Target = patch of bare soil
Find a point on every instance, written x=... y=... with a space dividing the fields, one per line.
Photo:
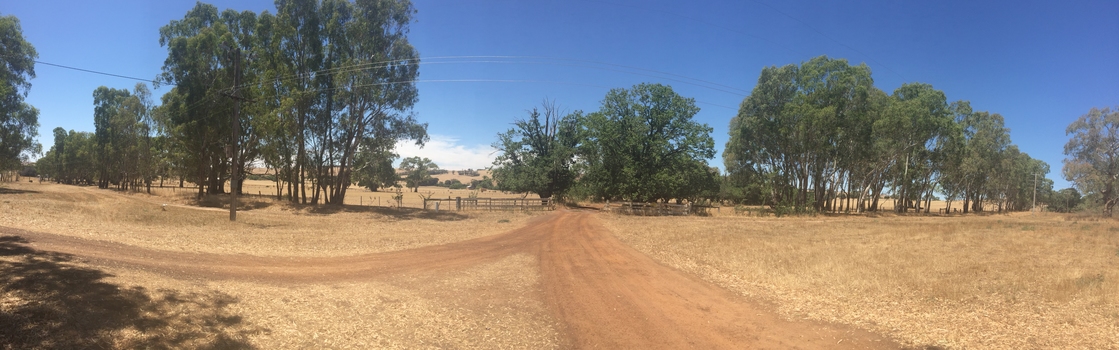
x=601 y=292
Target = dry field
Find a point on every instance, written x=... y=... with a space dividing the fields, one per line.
x=263 y=190
x=560 y=280
x=981 y=282
x=269 y=228
x=107 y=305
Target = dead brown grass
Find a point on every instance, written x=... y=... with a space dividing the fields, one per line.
x=992 y=282
x=51 y=300
x=271 y=229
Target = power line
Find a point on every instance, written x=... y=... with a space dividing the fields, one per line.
x=371 y=65
x=94 y=72
x=774 y=42
x=514 y=60
x=821 y=33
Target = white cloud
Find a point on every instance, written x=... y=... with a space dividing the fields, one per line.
x=447 y=153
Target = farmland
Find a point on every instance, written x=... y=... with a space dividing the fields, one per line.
x=285 y=276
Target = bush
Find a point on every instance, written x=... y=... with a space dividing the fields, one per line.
x=269 y=177
x=29 y=171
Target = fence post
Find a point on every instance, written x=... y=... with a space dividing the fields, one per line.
x=458 y=203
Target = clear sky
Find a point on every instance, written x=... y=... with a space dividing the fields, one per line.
x=1041 y=64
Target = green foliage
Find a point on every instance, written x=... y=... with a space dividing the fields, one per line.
x=373 y=167
x=329 y=90
x=1064 y=201
x=642 y=145
x=19 y=121
x=486 y=182
x=418 y=170
x=1092 y=164
x=71 y=159
x=803 y=127
x=123 y=123
x=820 y=136
x=538 y=156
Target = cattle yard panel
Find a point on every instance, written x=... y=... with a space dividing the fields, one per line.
x=656 y=209
x=490 y=204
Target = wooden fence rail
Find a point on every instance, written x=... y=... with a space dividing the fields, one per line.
x=503 y=204
x=657 y=209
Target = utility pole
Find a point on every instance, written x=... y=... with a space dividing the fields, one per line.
x=1034 y=208
x=234 y=185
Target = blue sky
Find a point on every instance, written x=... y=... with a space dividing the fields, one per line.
x=1039 y=64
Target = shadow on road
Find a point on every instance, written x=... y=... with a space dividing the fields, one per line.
x=47 y=301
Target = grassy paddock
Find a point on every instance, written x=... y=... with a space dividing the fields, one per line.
x=267 y=228
x=995 y=281
x=265 y=191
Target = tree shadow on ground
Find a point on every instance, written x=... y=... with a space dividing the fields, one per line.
x=49 y=302
x=390 y=212
x=243 y=202
x=14 y=191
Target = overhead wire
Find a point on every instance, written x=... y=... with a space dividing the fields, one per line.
x=513 y=60
x=94 y=72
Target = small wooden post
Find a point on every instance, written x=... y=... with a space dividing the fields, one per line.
x=458 y=203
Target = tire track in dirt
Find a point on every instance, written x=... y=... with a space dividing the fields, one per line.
x=606 y=294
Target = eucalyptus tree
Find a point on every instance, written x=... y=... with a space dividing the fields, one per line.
x=986 y=139
x=71 y=159
x=809 y=134
x=106 y=107
x=1065 y=200
x=418 y=170
x=371 y=85
x=299 y=59
x=537 y=155
x=908 y=135
x=642 y=145
x=198 y=113
x=373 y=167
x=19 y=121
x=803 y=129
x=1092 y=162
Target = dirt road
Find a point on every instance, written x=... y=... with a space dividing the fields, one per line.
x=606 y=294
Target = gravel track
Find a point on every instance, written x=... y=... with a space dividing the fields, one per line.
x=604 y=293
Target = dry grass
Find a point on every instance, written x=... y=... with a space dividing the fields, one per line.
x=271 y=229
x=398 y=314
x=357 y=196
x=52 y=301
x=999 y=281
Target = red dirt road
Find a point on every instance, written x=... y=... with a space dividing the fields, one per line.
x=606 y=294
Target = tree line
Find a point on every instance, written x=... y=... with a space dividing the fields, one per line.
x=19 y=121
x=322 y=91
x=811 y=137
x=819 y=136
x=641 y=145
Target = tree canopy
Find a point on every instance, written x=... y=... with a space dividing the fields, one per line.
x=538 y=156
x=1092 y=164
x=19 y=121
x=642 y=145
x=819 y=136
